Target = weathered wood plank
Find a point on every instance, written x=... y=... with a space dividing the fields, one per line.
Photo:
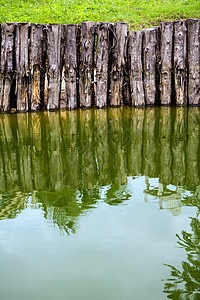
x=166 y=63
x=135 y=68
x=104 y=44
x=180 y=62
x=71 y=65
x=22 y=66
x=53 y=65
x=150 y=64
x=86 y=72
x=62 y=71
x=6 y=64
x=36 y=65
x=193 y=62
x=118 y=64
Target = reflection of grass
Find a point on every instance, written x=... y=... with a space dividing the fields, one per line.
x=137 y=13
x=185 y=284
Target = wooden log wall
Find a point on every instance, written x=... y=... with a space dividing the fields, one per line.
x=68 y=66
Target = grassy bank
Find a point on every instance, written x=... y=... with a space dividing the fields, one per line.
x=137 y=13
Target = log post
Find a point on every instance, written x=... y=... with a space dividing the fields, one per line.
x=86 y=72
x=22 y=66
x=104 y=43
x=71 y=65
x=53 y=65
x=180 y=62
x=35 y=65
x=62 y=71
x=6 y=64
x=135 y=68
x=150 y=66
x=166 y=63
x=193 y=62
x=118 y=64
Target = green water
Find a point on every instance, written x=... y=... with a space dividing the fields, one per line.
x=100 y=204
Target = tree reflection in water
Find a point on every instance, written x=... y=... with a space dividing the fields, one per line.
x=185 y=284
x=67 y=162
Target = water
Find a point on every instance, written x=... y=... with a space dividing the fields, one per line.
x=96 y=204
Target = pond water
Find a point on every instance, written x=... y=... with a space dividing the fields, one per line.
x=100 y=204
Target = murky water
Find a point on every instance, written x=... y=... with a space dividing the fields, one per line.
x=100 y=204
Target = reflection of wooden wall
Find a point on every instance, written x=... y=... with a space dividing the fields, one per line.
x=68 y=66
x=84 y=149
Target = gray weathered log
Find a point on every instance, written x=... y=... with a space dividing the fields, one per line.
x=71 y=65
x=118 y=64
x=22 y=66
x=62 y=64
x=135 y=68
x=86 y=72
x=104 y=44
x=35 y=65
x=150 y=63
x=193 y=62
x=53 y=65
x=6 y=64
x=126 y=80
x=180 y=62
x=166 y=63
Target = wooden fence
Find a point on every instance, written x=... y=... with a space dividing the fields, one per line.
x=68 y=66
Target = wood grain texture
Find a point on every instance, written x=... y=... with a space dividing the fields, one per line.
x=53 y=66
x=36 y=66
x=71 y=65
x=135 y=68
x=151 y=54
x=193 y=62
x=103 y=51
x=22 y=66
x=118 y=64
x=6 y=64
x=86 y=72
x=166 y=63
x=180 y=62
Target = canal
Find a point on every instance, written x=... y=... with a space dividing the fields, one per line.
x=100 y=204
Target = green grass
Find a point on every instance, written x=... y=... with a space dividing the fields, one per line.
x=137 y=13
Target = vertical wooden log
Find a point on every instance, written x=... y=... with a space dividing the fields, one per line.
x=126 y=80
x=166 y=63
x=62 y=71
x=54 y=65
x=86 y=73
x=22 y=66
x=135 y=68
x=118 y=64
x=35 y=64
x=180 y=62
x=6 y=64
x=104 y=34
x=71 y=65
x=150 y=63
x=193 y=62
